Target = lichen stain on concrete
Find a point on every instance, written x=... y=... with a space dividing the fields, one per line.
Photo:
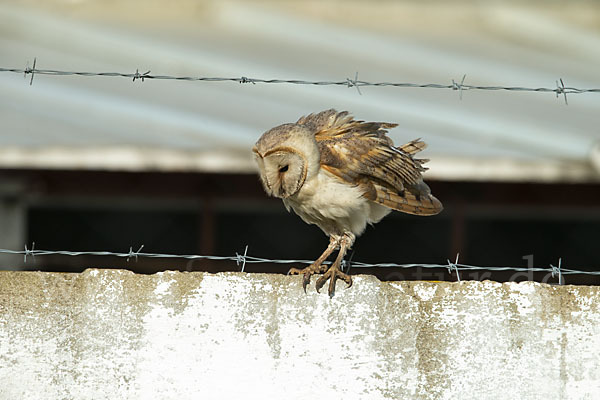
x=397 y=332
x=488 y=325
x=107 y=334
x=431 y=363
x=261 y=308
x=175 y=289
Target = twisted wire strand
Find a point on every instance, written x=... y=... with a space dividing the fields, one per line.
x=560 y=88
x=261 y=260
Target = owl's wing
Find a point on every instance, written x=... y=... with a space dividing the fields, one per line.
x=360 y=153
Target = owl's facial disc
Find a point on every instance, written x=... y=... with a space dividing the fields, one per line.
x=282 y=171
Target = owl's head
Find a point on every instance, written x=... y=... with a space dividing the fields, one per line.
x=286 y=156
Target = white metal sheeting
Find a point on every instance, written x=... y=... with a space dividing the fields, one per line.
x=113 y=123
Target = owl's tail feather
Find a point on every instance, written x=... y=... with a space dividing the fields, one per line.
x=413 y=147
x=408 y=202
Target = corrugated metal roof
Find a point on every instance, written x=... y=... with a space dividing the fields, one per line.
x=112 y=123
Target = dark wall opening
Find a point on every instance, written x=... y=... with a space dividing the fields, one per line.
x=489 y=224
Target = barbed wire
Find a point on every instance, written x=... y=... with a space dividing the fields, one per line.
x=243 y=259
x=560 y=88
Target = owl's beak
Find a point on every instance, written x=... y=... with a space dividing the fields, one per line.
x=264 y=180
x=267 y=188
x=283 y=194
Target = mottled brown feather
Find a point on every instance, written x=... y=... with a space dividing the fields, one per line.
x=360 y=153
x=408 y=203
x=414 y=146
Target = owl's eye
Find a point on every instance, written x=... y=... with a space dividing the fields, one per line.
x=284 y=168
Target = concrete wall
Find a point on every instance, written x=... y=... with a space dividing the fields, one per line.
x=111 y=334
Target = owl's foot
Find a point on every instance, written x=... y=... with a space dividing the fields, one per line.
x=317 y=267
x=333 y=273
x=307 y=273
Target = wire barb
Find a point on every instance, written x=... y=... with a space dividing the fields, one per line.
x=354 y=83
x=241 y=259
x=560 y=89
x=557 y=271
x=139 y=76
x=134 y=254
x=29 y=252
x=453 y=266
x=347 y=264
x=244 y=79
x=459 y=86
x=31 y=71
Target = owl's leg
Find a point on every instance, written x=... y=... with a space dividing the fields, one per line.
x=334 y=272
x=316 y=267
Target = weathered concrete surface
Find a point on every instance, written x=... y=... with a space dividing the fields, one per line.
x=108 y=334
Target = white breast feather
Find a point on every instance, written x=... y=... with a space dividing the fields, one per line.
x=336 y=207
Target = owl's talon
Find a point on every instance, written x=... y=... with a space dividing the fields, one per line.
x=306 y=272
x=333 y=273
x=305 y=281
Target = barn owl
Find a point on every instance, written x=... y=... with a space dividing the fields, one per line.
x=341 y=174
